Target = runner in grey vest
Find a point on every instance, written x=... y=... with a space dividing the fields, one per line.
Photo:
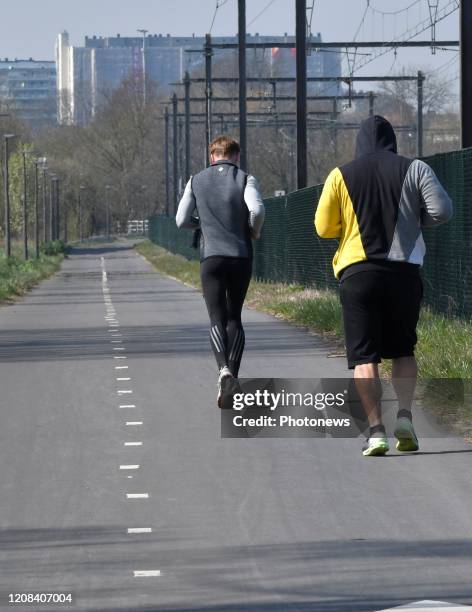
x=225 y=204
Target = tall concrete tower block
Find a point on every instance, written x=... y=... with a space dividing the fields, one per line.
x=64 y=79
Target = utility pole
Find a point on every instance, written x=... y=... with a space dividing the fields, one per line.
x=107 y=211
x=65 y=220
x=166 y=158
x=25 y=209
x=466 y=76
x=208 y=95
x=371 y=103
x=419 y=121
x=187 y=126
x=7 y=138
x=335 y=130
x=242 y=82
x=36 y=206
x=180 y=130
x=81 y=188
x=174 y=153
x=51 y=208
x=56 y=202
x=300 y=19
x=45 y=224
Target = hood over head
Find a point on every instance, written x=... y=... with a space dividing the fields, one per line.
x=375 y=134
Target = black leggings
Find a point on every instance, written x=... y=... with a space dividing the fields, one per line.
x=224 y=282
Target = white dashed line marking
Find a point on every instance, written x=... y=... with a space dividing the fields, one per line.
x=133 y=443
x=118 y=348
x=116 y=341
x=119 y=357
x=127 y=378
x=131 y=466
x=121 y=367
x=146 y=573
x=124 y=391
x=137 y=495
x=134 y=422
x=128 y=406
x=139 y=529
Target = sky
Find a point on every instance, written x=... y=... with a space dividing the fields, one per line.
x=28 y=28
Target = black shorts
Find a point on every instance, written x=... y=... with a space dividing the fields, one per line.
x=380 y=313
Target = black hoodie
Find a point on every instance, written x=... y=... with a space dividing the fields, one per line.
x=377 y=203
x=375 y=134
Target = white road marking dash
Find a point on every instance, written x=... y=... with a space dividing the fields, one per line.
x=146 y=573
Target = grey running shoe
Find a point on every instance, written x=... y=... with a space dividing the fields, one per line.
x=225 y=384
x=405 y=435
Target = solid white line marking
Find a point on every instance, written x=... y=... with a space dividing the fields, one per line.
x=139 y=529
x=133 y=443
x=127 y=406
x=427 y=605
x=134 y=422
x=130 y=466
x=146 y=573
x=137 y=495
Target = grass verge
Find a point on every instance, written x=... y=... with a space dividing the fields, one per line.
x=444 y=345
x=444 y=348
x=18 y=276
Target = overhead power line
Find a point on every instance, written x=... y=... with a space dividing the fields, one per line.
x=447 y=10
x=219 y=3
x=398 y=11
x=261 y=12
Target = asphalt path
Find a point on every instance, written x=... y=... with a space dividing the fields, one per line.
x=123 y=493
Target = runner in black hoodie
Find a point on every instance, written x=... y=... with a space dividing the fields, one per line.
x=377 y=205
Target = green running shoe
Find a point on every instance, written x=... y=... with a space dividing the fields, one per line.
x=375 y=447
x=407 y=441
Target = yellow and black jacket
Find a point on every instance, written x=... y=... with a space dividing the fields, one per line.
x=377 y=204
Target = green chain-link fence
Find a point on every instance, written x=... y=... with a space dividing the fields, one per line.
x=290 y=251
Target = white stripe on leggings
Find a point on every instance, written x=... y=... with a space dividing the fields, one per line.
x=237 y=347
x=235 y=342
x=216 y=339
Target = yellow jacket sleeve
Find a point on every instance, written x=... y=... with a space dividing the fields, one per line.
x=328 y=211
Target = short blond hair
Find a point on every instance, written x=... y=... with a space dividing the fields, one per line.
x=224 y=146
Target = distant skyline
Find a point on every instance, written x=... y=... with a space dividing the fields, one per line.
x=29 y=28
